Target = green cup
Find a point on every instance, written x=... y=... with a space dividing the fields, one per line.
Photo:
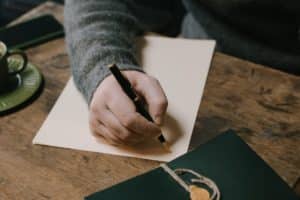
x=8 y=73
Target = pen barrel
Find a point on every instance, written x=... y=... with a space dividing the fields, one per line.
x=123 y=82
x=142 y=110
x=130 y=92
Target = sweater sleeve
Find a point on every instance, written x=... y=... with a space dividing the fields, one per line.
x=98 y=33
x=102 y=32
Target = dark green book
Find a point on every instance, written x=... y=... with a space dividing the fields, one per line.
x=237 y=170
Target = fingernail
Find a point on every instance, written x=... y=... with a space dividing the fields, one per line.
x=158 y=120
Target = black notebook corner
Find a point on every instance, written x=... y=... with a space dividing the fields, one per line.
x=237 y=170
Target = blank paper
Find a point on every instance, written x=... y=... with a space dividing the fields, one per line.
x=180 y=65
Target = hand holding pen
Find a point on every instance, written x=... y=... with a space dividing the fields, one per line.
x=114 y=116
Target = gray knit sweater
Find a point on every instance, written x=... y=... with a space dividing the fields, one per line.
x=101 y=32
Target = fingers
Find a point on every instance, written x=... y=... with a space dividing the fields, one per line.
x=99 y=130
x=103 y=123
x=96 y=125
x=155 y=97
x=116 y=128
x=125 y=111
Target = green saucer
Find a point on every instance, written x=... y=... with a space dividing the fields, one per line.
x=27 y=84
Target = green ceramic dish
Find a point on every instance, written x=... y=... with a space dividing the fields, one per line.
x=27 y=84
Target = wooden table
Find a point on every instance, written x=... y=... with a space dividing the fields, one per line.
x=261 y=104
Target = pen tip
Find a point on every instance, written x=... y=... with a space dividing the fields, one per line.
x=166 y=147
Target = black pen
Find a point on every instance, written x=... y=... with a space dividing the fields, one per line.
x=129 y=91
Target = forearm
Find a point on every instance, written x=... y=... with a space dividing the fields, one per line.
x=98 y=33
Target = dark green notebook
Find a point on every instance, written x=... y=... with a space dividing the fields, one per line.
x=237 y=170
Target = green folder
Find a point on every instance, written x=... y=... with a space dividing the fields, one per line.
x=236 y=169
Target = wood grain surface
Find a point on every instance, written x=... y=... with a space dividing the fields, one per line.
x=261 y=104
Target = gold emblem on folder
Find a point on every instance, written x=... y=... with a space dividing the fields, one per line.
x=197 y=193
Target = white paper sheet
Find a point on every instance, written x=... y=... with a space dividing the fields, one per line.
x=180 y=65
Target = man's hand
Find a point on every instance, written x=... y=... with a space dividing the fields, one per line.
x=113 y=115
